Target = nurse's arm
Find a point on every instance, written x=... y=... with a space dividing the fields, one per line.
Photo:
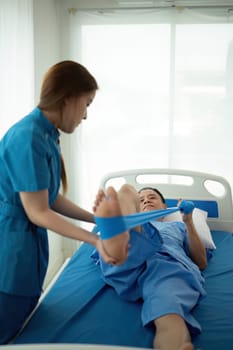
x=65 y=207
x=38 y=211
x=36 y=207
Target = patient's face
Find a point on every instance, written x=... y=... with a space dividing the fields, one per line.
x=150 y=200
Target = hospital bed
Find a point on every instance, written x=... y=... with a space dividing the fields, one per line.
x=81 y=312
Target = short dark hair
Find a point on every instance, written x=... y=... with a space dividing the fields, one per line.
x=155 y=190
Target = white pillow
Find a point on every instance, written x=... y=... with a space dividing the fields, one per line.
x=199 y=220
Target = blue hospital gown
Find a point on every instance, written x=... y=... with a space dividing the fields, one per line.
x=159 y=271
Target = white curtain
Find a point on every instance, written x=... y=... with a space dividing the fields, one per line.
x=165 y=97
x=16 y=61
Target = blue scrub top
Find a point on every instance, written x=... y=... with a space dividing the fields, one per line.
x=29 y=161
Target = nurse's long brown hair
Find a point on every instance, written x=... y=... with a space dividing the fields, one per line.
x=64 y=79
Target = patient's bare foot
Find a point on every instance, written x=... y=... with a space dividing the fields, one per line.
x=108 y=205
x=187 y=346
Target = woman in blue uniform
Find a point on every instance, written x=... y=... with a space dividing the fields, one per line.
x=163 y=267
x=31 y=168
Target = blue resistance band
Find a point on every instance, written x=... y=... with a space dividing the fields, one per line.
x=112 y=226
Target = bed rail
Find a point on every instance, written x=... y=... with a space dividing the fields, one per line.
x=209 y=192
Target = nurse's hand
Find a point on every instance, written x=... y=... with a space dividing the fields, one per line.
x=105 y=256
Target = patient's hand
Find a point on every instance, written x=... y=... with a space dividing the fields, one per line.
x=188 y=216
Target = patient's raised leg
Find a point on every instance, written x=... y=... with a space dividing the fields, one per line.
x=110 y=204
x=172 y=333
x=187 y=346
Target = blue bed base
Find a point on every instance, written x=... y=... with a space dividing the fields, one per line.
x=80 y=308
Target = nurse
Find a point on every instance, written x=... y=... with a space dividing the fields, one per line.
x=31 y=169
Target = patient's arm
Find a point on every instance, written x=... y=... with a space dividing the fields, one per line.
x=196 y=247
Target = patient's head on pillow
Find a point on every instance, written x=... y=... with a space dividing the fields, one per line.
x=155 y=190
x=151 y=199
x=199 y=220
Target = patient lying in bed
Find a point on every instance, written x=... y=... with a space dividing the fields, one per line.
x=160 y=263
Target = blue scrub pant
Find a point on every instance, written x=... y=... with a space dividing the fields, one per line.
x=14 y=310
